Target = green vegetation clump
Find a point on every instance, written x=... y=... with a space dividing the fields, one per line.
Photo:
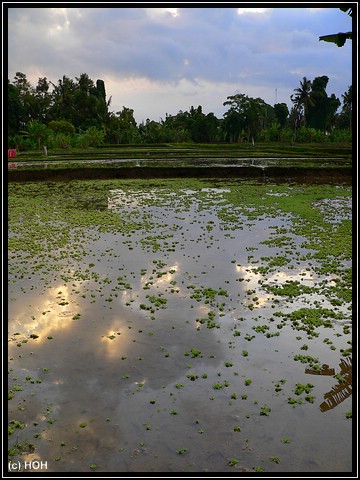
x=300 y=388
x=209 y=321
x=181 y=451
x=194 y=353
x=308 y=319
x=291 y=288
x=265 y=410
x=157 y=301
x=13 y=425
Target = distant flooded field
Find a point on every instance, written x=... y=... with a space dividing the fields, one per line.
x=172 y=161
x=180 y=325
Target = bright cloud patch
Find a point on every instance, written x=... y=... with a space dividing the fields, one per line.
x=243 y=11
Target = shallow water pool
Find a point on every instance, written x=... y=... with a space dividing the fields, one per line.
x=180 y=326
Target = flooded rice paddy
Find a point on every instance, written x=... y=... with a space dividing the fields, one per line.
x=260 y=162
x=180 y=326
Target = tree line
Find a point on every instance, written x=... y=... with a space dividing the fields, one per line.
x=76 y=113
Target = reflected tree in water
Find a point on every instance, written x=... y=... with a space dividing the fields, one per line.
x=342 y=390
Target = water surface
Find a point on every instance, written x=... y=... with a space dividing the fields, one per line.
x=166 y=339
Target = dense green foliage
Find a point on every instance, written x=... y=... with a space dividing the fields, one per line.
x=76 y=113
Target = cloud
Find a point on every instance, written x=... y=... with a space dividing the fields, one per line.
x=177 y=50
x=252 y=11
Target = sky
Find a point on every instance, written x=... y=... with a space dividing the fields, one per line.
x=164 y=59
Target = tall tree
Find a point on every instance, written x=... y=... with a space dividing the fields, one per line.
x=102 y=107
x=25 y=95
x=246 y=116
x=347 y=105
x=16 y=112
x=85 y=83
x=63 y=100
x=126 y=125
x=294 y=120
x=41 y=101
x=22 y=84
x=321 y=113
x=303 y=98
x=100 y=87
x=282 y=113
x=85 y=115
x=204 y=128
x=38 y=132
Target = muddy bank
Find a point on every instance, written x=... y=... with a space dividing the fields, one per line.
x=307 y=175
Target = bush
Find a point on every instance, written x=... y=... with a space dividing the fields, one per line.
x=21 y=143
x=286 y=135
x=340 y=136
x=26 y=144
x=15 y=141
x=274 y=132
x=309 y=135
x=93 y=137
x=59 y=140
x=62 y=126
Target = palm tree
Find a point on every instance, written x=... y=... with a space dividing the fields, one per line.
x=36 y=131
x=303 y=98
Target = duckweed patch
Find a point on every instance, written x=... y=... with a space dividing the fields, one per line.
x=265 y=410
x=181 y=451
x=303 y=388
